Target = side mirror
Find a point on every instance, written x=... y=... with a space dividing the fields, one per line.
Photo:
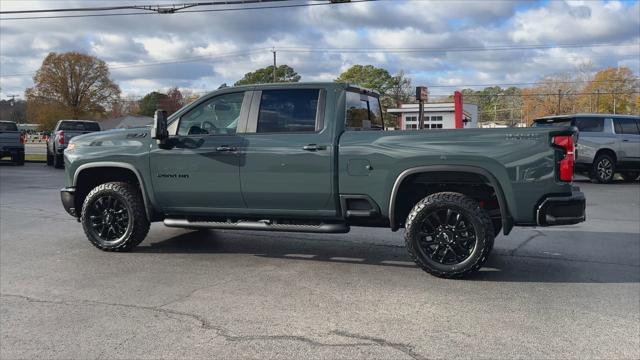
x=159 y=129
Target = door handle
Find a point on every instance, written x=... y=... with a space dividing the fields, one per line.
x=625 y=140
x=313 y=147
x=225 y=148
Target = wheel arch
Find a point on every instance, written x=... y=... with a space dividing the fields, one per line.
x=101 y=172
x=490 y=179
x=606 y=151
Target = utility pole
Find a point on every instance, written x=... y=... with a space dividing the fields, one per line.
x=13 y=109
x=614 y=103
x=495 y=112
x=597 y=100
x=559 y=99
x=274 y=64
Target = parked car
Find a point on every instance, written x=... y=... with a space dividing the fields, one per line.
x=315 y=158
x=607 y=144
x=64 y=131
x=11 y=142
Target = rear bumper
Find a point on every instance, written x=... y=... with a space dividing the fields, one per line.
x=562 y=210
x=11 y=150
x=68 y=197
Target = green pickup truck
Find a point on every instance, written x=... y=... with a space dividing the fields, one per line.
x=314 y=157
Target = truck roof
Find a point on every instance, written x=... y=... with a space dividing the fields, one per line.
x=569 y=116
x=90 y=121
x=326 y=84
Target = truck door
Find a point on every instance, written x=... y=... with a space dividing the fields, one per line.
x=198 y=170
x=288 y=158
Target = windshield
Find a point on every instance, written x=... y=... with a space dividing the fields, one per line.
x=79 y=126
x=8 y=126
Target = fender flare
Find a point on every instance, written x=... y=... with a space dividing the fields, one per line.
x=99 y=164
x=507 y=221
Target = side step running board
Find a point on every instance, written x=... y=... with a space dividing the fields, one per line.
x=335 y=228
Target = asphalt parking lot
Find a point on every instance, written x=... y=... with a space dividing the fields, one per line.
x=565 y=292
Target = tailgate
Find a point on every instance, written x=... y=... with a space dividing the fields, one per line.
x=68 y=135
x=9 y=138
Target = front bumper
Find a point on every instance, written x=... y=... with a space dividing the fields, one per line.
x=68 y=197
x=562 y=210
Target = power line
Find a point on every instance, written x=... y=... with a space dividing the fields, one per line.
x=387 y=50
x=532 y=83
x=332 y=2
x=168 y=62
x=546 y=94
x=459 y=49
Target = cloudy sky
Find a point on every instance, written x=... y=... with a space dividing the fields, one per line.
x=489 y=42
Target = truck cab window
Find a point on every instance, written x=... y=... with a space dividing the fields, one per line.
x=216 y=116
x=363 y=112
x=288 y=111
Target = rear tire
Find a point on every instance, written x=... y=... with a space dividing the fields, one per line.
x=49 y=158
x=18 y=159
x=448 y=235
x=631 y=176
x=603 y=169
x=113 y=217
x=58 y=161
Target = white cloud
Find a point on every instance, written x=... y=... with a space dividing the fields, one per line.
x=222 y=41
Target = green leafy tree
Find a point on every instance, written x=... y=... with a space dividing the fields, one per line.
x=368 y=76
x=151 y=102
x=284 y=73
x=393 y=89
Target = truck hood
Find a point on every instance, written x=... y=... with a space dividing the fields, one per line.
x=111 y=135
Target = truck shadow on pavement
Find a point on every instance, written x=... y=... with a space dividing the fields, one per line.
x=502 y=266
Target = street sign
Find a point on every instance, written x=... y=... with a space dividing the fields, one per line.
x=422 y=93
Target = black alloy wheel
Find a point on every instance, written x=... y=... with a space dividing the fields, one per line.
x=447 y=237
x=114 y=217
x=109 y=218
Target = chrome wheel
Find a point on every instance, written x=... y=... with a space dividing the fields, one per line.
x=605 y=169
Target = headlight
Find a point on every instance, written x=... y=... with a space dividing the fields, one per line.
x=71 y=147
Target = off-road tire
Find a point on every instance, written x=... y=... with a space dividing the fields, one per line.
x=49 y=158
x=597 y=175
x=483 y=227
x=58 y=161
x=138 y=226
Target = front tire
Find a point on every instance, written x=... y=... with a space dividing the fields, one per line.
x=113 y=217
x=448 y=235
x=603 y=169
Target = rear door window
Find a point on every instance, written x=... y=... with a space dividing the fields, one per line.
x=590 y=124
x=292 y=110
x=626 y=126
x=8 y=126
x=363 y=112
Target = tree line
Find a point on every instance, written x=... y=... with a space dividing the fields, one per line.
x=79 y=86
